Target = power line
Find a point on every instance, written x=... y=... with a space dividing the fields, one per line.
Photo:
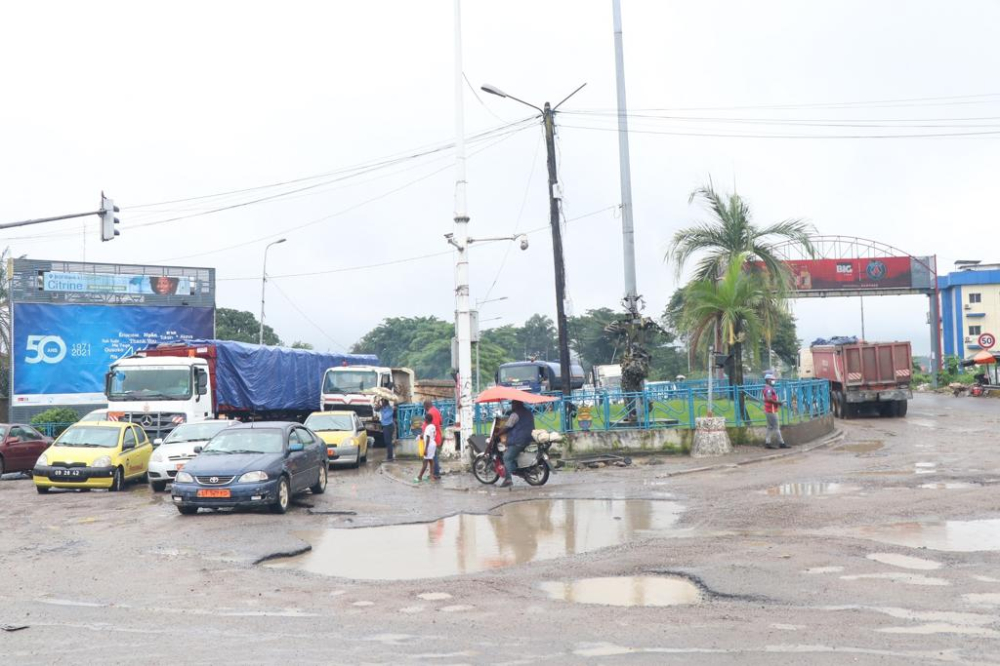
x=308 y=319
x=928 y=135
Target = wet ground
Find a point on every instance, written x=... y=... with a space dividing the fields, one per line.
x=882 y=547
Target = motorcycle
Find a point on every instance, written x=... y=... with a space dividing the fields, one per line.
x=487 y=463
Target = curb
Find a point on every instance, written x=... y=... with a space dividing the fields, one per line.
x=836 y=436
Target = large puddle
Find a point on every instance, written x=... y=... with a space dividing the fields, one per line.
x=962 y=536
x=804 y=489
x=625 y=591
x=519 y=533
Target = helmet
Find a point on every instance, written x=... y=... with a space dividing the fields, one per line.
x=768 y=376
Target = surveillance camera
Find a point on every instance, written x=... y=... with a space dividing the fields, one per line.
x=524 y=241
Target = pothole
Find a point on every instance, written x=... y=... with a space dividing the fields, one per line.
x=625 y=591
x=519 y=533
x=812 y=488
x=963 y=536
x=861 y=447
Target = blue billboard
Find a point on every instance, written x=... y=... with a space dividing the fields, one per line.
x=62 y=352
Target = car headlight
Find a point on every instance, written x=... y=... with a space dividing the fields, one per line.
x=184 y=477
x=253 y=477
x=42 y=461
x=157 y=457
x=103 y=461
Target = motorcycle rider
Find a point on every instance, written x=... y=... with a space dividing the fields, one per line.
x=520 y=423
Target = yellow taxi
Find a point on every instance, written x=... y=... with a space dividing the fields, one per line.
x=94 y=454
x=344 y=435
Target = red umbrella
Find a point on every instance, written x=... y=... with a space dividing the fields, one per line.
x=984 y=357
x=501 y=393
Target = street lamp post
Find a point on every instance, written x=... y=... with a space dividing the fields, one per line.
x=263 y=286
x=548 y=119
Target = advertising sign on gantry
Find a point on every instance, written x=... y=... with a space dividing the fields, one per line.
x=859 y=274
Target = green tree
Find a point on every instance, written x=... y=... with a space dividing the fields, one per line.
x=734 y=302
x=420 y=343
x=538 y=336
x=506 y=338
x=298 y=344
x=590 y=339
x=242 y=326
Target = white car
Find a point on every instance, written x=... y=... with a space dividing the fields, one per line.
x=178 y=447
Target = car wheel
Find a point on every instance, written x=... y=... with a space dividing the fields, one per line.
x=320 y=486
x=144 y=478
x=284 y=497
x=158 y=486
x=42 y=490
x=2 y=468
x=188 y=510
x=117 y=481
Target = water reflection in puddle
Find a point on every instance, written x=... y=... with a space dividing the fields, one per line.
x=522 y=532
x=625 y=591
x=801 y=489
x=949 y=485
x=962 y=536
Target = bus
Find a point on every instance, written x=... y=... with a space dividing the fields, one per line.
x=538 y=376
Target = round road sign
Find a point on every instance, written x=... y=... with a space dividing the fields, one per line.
x=987 y=340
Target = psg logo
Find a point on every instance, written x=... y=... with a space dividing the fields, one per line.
x=876 y=270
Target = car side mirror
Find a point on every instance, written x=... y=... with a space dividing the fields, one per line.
x=198 y=450
x=157 y=441
x=296 y=446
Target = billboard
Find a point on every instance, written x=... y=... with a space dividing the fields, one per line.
x=61 y=352
x=828 y=276
x=112 y=283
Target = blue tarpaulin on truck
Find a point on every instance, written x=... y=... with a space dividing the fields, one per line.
x=255 y=378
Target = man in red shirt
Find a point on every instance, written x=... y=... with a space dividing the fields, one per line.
x=772 y=405
x=429 y=408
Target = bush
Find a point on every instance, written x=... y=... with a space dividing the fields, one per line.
x=61 y=415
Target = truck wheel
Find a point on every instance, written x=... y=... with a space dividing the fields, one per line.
x=901 y=406
x=835 y=405
x=848 y=409
x=887 y=409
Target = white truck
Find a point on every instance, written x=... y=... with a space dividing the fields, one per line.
x=607 y=376
x=349 y=388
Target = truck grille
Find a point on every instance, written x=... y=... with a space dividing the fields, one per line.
x=156 y=424
x=214 y=480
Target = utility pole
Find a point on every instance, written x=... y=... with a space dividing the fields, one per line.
x=463 y=320
x=548 y=119
x=625 y=169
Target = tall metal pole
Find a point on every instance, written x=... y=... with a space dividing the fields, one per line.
x=935 y=314
x=625 y=168
x=463 y=323
x=862 y=297
x=557 y=251
x=263 y=289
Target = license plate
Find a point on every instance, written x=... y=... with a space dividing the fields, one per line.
x=66 y=473
x=214 y=492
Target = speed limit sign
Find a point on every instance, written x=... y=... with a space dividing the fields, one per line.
x=987 y=340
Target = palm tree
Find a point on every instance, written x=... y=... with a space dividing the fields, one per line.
x=733 y=232
x=734 y=302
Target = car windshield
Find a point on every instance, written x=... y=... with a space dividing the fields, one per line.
x=349 y=381
x=321 y=422
x=195 y=432
x=522 y=373
x=148 y=383
x=89 y=436
x=246 y=440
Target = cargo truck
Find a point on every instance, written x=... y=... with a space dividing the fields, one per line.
x=165 y=385
x=352 y=387
x=863 y=376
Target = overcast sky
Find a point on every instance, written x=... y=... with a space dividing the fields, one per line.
x=171 y=101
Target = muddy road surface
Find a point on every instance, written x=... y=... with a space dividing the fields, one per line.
x=881 y=547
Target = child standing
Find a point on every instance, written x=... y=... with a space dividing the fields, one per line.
x=430 y=446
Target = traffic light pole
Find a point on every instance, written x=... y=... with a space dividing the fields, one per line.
x=24 y=223
x=106 y=212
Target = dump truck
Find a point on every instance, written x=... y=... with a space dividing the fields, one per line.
x=863 y=376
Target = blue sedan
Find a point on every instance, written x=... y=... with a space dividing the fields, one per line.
x=253 y=464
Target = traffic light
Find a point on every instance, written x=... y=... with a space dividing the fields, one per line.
x=109 y=223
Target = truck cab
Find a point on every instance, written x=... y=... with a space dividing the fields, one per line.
x=353 y=387
x=538 y=376
x=159 y=393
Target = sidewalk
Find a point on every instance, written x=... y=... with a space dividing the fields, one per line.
x=456 y=477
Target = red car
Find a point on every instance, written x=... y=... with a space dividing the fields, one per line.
x=20 y=446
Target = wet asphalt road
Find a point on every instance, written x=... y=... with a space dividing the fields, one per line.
x=795 y=561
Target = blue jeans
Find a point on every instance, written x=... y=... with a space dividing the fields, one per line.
x=387 y=436
x=510 y=457
x=437 y=460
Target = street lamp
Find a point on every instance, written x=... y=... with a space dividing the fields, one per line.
x=479 y=339
x=548 y=118
x=263 y=286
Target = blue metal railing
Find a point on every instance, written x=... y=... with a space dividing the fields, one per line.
x=663 y=405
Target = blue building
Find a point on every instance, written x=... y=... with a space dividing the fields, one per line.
x=970 y=307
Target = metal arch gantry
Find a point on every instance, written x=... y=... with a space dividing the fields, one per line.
x=853 y=247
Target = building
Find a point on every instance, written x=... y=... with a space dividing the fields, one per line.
x=970 y=306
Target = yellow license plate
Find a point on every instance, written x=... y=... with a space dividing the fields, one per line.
x=214 y=492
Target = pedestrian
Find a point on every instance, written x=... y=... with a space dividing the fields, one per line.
x=386 y=418
x=435 y=415
x=520 y=423
x=430 y=446
x=771 y=407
